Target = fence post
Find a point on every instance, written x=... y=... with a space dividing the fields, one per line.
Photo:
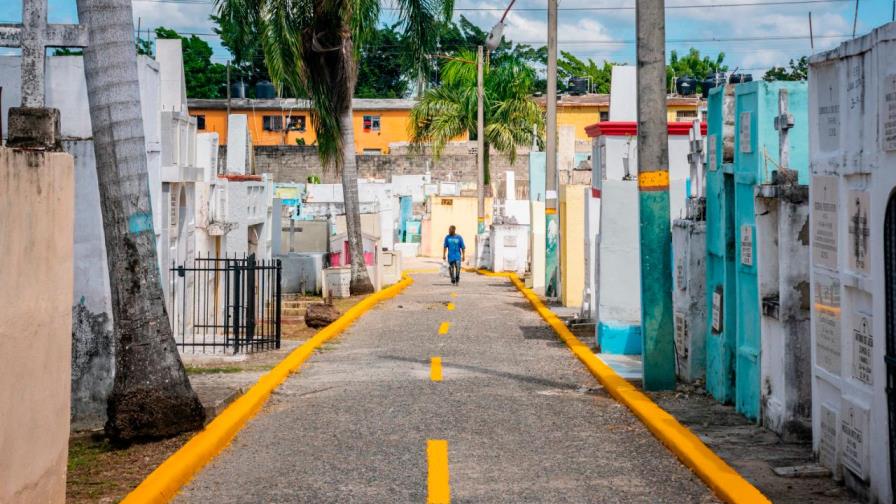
x=237 y=291
x=250 y=299
x=277 y=299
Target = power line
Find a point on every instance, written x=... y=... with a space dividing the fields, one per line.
x=604 y=8
x=625 y=41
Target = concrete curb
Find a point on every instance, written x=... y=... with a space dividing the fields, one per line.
x=727 y=484
x=166 y=480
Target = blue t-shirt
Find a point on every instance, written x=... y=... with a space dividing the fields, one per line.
x=454 y=243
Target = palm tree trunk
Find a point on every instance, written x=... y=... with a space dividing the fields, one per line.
x=360 y=283
x=151 y=395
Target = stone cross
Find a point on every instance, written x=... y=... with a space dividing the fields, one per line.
x=783 y=123
x=34 y=35
x=695 y=158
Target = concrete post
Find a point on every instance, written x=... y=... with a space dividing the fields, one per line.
x=552 y=220
x=657 y=331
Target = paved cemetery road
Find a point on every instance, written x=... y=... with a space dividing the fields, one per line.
x=522 y=419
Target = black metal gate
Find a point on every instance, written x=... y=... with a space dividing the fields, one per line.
x=225 y=305
x=890 y=357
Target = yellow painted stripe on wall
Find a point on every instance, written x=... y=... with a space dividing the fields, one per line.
x=443 y=327
x=435 y=369
x=653 y=179
x=439 y=491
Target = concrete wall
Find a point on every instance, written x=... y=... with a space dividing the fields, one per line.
x=458 y=211
x=689 y=297
x=293 y=163
x=782 y=253
x=37 y=193
x=619 y=305
x=92 y=344
x=572 y=236
x=851 y=158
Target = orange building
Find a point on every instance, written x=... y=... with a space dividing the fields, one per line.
x=584 y=110
x=287 y=121
x=380 y=122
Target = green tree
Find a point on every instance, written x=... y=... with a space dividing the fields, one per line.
x=204 y=78
x=314 y=45
x=798 y=70
x=694 y=65
x=569 y=66
x=151 y=393
x=244 y=44
x=382 y=71
x=449 y=111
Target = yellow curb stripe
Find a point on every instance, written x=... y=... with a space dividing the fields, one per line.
x=715 y=472
x=166 y=480
x=438 y=491
x=443 y=327
x=653 y=179
x=435 y=369
x=450 y=306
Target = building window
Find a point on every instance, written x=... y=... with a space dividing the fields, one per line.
x=200 y=122
x=371 y=123
x=685 y=115
x=272 y=123
x=296 y=123
x=604 y=115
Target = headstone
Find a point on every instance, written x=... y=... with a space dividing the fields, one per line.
x=824 y=221
x=239 y=145
x=827 y=323
x=623 y=93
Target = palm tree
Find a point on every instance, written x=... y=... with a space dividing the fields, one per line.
x=312 y=46
x=447 y=112
x=151 y=395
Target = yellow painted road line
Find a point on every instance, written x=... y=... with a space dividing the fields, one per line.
x=166 y=480
x=435 y=369
x=437 y=479
x=715 y=472
x=450 y=306
x=443 y=327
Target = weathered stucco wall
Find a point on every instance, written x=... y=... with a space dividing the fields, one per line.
x=36 y=222
x=572 y=251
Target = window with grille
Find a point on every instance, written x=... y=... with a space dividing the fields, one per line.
x=272 y=123
x=685 y=115
x=200 y=122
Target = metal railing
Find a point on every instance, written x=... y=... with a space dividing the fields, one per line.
x=225 y=305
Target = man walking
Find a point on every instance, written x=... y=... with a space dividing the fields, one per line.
x=455 y=250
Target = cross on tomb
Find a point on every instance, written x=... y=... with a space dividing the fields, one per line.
x=783 y=123
x=695 y=158
x=34 y=35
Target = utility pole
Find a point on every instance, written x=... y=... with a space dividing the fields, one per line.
x=657 y=331
x=480 y=154
x=552 y=220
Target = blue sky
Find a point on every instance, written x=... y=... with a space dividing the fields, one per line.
x=603 y=33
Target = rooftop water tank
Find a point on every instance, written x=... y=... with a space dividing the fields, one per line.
x=686 y=85
x=578 y=86
x=264 y=90
x=740 y=78
x=238 y=90
x=711 y=81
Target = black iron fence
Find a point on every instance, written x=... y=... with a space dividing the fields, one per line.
x=225 y=305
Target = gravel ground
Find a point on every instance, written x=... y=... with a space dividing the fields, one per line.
x=524 y=420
